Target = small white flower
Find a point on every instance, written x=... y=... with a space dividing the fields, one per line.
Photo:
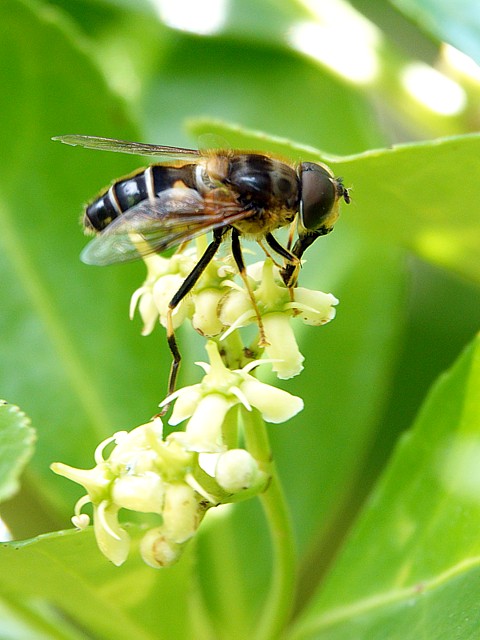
x=144 y=493
x=164 y=278
x=276 y=310
x=205 y=318
x=207 y=403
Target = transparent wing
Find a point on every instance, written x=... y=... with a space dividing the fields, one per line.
x=153 y=226
x=122 y=146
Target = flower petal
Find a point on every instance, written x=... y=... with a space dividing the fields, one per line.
x=113 y=541
x=187 y=400
x=274 y=404
x=316 y=308
x=283 y=347
x=204 y=429
x=96 y=481
x=144 y=493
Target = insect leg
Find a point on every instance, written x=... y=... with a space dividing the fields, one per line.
x=269 y=254
x=280 y=249
x=290 y=272
x=291 y=233
x=237 y=254
x=186 y=287
x=292 y=267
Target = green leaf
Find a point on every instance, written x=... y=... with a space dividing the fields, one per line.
x=344 y=397
x=420 y=196
x=83 y=591
x=72 y=360
x=416 y=547
x=17 y=439
x=68 y=349
x=263 y=86
x=457 y=23
x=417 y=195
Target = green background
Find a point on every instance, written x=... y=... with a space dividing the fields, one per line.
x=387 y=541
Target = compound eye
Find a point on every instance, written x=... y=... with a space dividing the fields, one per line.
x=318 y=196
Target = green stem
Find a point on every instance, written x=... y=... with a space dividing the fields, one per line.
x=232 y=351
x=280 y=599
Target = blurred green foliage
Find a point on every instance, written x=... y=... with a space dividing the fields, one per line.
x=402 y=261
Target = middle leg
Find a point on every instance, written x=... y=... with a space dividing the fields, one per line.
x=238 y=257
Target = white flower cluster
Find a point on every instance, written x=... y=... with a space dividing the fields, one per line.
x=164 y=278
x=182 y=476
x=218 y=305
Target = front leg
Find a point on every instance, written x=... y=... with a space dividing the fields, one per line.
x=290 y=272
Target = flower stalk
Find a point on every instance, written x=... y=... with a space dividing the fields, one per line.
x=278 y=605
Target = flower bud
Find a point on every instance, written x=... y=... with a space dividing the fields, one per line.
x=205 y=318
x=236 y=470
x=180 y=512
x=158 y=551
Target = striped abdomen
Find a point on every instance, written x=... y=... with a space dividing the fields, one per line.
x=129 y=191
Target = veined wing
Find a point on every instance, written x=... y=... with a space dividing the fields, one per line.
x=123 y=146
x=153 y=226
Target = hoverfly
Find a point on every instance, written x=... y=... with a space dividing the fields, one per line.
x=228 y=192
